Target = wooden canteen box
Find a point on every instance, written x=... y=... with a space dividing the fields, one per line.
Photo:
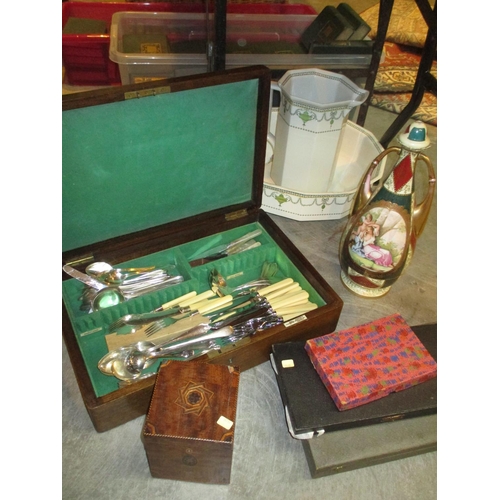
x=152 y=173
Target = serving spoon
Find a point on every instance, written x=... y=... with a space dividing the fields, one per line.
x=105 y=365
x=106 y=362
x=131 y=365
x=123 y=373
x=112 y=362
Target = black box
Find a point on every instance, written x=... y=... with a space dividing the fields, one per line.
x=350 y=449
x=360 y=27
x=328 y=27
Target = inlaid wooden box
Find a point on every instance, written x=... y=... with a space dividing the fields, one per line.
x=189 y=429
x=153 y=172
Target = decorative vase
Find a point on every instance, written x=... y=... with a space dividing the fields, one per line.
x=385 y=221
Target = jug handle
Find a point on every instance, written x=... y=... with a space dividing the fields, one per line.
x=271 y=138
x=422 y=210
x=365 y=191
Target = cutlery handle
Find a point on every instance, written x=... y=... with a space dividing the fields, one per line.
x=290 y=300
x=186 y=300
x=243 y=239
x=294 y=287
x=176 y=302
x=136 y=269
x=159 y=284
x=236 y=313
x=213 y=305
x=194 y=336
x=195 y=305
x=276 y=286
x=288 y=313
x=181 y=336
x=244 y=247
x=198 y=298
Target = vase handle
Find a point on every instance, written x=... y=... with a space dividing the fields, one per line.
x=365 y=191
x=422 y=210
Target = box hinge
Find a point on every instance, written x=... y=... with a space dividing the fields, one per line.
x=239 y=214
x=136 y=94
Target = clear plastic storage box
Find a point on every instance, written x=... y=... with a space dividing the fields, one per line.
x=86 y=55
x=148 y=46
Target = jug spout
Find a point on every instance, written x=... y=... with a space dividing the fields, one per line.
x=360 y=98
x=320 y=88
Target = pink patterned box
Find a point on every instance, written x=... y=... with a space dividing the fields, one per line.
x=367 y=362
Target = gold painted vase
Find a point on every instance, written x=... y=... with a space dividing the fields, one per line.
x=385 y=220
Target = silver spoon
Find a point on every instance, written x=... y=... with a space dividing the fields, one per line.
x=97 y=268
x=108 y=296
x=112 y=295
x=105 y=297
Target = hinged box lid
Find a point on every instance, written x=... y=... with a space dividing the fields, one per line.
x=193 y=400
x=180 y=150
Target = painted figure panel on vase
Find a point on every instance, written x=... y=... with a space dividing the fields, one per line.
x=378 y=241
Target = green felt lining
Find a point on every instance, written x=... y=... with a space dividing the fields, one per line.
x=140 y=163
x=91 y=329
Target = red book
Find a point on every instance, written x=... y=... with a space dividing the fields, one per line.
x=367 y=362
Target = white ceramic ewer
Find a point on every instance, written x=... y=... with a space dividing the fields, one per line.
x=314 y=108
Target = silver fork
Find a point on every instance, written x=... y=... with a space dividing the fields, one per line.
x=145 y=318
x=252 y=326
x=155 y=327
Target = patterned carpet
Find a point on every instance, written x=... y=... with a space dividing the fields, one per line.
x=404 y=41
x=395 y=80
